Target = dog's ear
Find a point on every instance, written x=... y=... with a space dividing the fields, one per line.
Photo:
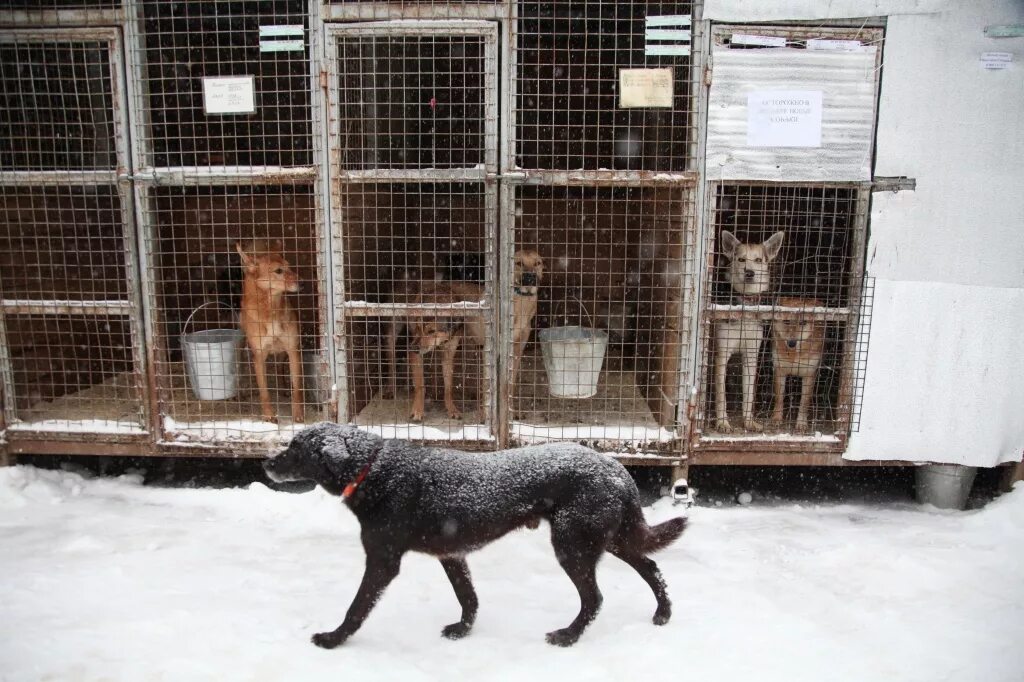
x=278 y=246
x=540 y=268
x=772 y=245
x=729 y=244
x=247 y=262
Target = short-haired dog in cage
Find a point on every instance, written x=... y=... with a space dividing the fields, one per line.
x=783 y=303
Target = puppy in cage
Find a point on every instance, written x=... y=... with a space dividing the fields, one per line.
x=748 y=272
x=268 y=319
x=798 y=344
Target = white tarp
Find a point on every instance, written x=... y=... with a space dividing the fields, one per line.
x=945 y=372
x=776 y=10
x=844 y=85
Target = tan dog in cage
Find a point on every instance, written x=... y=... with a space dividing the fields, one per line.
x=269 y=321
x=749 y=275
x=528 y=272
x=445 y=333
x=798 y=344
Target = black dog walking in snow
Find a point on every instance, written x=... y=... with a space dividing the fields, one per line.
x=447 y=503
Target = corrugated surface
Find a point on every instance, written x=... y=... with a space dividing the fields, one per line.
x=847 y=81
x=791 y=10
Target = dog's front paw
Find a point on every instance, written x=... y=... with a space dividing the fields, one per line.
x=723 y=425
x=456 y=630
x=455 y=414
x=327 y=640
x=563 y=637
x=802 y=425
x=753 y=425
x=416 y=417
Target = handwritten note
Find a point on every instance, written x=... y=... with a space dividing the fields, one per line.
x=645 y=88
x=229 y=95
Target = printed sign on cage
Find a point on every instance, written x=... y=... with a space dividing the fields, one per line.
x=229 y=95
x=784 y=118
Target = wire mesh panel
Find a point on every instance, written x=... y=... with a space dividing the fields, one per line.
x=604 y=85
x=66 y=303
x=413 y=101
x=225 y=83
x=598 y=277
x=783 y=303
x=414 y=138
x=239 y=310
x=70 y=336
x=418 y=262
x=56 y=105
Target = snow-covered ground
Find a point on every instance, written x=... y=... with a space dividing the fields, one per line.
x=105 y=579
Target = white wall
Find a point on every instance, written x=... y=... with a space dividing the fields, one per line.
x=945 y=372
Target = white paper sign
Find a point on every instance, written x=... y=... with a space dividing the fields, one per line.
x=229 y=95
x=996 y=60
x=835 y=45
x=645 y=88
x=757 y=41
x=784 y=118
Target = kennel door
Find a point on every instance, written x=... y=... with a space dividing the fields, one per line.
x=71 y=354
x=413 y=165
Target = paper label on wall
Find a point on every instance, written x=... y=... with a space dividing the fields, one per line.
x=835 y=45
x=757 y=41
x=784 y=118
x=645 y=88
x=229 y=95
x=995 y=61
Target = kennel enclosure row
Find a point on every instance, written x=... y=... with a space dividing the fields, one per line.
x=436 y=178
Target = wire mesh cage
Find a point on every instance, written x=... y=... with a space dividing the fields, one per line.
x=239 y=309
x=783 y=310
x=70 y=325
x=604 y=85
x=418 y=263
x=225 y=83
x=598 y=275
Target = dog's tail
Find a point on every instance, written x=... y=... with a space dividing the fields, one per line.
x=637 y=537
x=663 y=534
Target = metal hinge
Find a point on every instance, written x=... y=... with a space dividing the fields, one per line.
x=899 y=183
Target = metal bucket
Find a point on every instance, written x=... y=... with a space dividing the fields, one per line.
x=573 y=357
x=944 y=485
x=211 y=360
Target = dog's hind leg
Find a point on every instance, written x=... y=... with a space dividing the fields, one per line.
x=380 y=571
x=458 y=573
x=578 y=550
x=649 y=571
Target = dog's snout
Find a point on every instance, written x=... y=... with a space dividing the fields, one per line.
x=791 y=343
x=748 y=274
x=529 y=279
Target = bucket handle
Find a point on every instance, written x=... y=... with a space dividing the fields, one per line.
x=188 y=320
x=590 y=320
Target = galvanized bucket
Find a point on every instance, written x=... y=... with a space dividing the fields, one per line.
x=211 y=360
x=573 y=357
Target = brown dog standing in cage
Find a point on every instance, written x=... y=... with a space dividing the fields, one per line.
x=749 y=275
x=798 y=342
x=268 y=319
x=445 y=333
x=528 y=272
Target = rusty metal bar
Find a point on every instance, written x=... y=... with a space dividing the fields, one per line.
x=378 y=11
x=225 y=175
x=61 y=178
x=600 y=178
x=47 y=307
x=62 y=17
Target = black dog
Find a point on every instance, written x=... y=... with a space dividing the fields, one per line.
x=447 y=503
